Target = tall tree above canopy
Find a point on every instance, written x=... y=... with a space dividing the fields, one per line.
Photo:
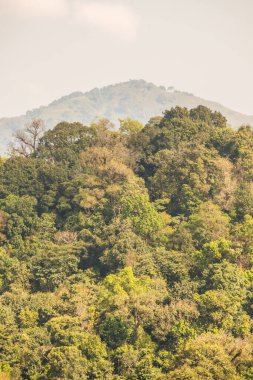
x=27 y=139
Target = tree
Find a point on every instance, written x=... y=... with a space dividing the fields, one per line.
x=9 y=268
x=213 y=357
x=52 y=265
x=66 y=363
x=132 y=299
x=130 y=127
x=218 y=310
x=144 y=217
x=27 y=139
x=208 y=224
x=123 y=247
x=21 y=215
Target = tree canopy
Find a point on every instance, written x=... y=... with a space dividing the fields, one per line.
x=128 y=254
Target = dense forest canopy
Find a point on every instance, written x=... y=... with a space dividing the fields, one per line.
x=128 y=254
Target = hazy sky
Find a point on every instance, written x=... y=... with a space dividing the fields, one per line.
x=50 y=48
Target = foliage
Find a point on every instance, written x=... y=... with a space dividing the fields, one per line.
x=128 y=254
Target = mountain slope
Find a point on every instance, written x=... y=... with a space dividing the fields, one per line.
x=136 y=99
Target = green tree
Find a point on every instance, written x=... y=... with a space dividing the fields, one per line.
x=208 y=224
x=66 y=363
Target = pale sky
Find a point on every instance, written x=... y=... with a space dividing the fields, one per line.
x=50 y=48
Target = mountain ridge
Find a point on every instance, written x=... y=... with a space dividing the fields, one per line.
x=136 y=99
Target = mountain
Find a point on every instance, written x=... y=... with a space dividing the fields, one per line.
x=137 y=99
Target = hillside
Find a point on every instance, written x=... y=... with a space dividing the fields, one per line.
x=136 y=99
x=128 y=254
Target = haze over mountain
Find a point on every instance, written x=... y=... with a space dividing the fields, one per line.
x=136 y=99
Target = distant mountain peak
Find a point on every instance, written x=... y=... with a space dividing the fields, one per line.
x=136 y=98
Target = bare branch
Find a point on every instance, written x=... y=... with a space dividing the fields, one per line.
x=27 y=139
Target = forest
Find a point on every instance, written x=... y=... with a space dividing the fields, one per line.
x=128 y=253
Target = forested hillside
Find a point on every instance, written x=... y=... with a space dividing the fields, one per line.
x=128 y=254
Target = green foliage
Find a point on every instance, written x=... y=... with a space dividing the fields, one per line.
x=208 y=224
x=8 y=269
x=52 y=265
x=130 y=127
x=212 y=356
x=114 y=331
x=21 y=216
x=145 y=219
x=129 y=254
x=66 y=363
